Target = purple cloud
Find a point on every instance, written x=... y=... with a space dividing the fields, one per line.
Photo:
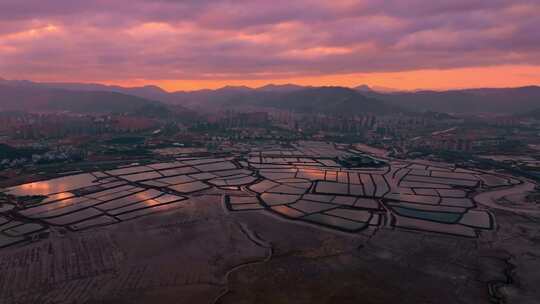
x=118 y=40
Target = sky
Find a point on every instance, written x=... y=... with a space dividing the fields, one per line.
x=194 y=44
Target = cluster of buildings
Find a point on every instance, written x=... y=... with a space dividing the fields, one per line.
x=59 y=154
x=322 y=122
x=397 y=132
x=460 y=140
x=58 y=125
x=236 y=119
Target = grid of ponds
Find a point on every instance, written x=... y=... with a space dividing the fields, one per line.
x=303 y=183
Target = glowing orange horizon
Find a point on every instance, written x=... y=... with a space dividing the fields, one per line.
x=474 y=77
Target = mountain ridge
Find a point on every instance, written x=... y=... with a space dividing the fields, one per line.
x=474 y=100
x=43 y=99
x=477 y=100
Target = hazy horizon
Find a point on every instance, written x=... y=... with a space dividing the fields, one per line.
x=167 y=89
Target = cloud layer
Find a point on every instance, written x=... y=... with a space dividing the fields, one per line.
x=119 y=40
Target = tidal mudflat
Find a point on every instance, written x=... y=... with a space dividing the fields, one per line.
x=226 y=228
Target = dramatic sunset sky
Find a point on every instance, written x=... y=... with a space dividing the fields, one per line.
x=192 y=44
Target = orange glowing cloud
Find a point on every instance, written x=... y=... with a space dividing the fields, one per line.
x=31 y=33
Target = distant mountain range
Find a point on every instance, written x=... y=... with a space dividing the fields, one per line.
x=334 y=100
x=505 y=100
x=375 y=89
x=44 y=99
x=24 y=95
x=337 y=100
x=152 y=93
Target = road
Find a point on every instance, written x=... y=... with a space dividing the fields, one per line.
x=490 y=198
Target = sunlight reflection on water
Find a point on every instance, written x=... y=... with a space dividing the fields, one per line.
x=52 y=186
